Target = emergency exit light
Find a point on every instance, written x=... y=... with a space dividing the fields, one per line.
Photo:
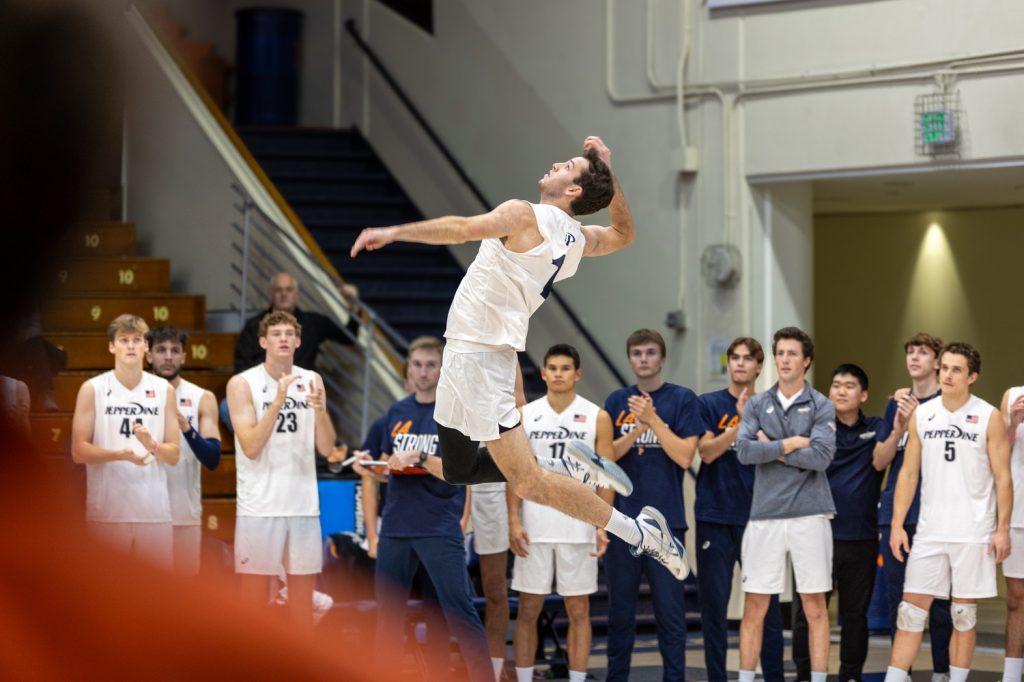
x=937 y=122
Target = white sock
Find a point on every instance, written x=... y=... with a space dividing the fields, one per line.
x=524 y=674
x=497 y=664
x=894 y=674
x=819 y=677
x=746 y=676
x=1012 y=669
x=577 y=676
x=623 y=527
x=958 y=674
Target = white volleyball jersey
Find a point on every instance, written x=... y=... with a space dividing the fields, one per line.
x=958 y=496
x=281 y=481
x=1017 y=465
x=123 y=492
x=502 y=288
x=183 y=479
x=549 y=433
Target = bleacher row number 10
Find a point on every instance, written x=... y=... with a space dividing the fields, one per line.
x=160 y=313
x=92 y=240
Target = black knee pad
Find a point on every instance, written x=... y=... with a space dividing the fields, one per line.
x=459 y=455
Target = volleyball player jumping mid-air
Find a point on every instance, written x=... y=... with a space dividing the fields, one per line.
x=524 y=249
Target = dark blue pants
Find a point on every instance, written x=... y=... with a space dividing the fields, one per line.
x=940 y=620
x=444 y=559
x=623 y=572
x=718 y=551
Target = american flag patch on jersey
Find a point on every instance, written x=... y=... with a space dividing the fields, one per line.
x=300 y=387
x=185 y=402
x=972 y=419
x=579 y=417
x=150 y=394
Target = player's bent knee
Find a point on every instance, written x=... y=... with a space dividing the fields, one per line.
x=910 y=618
x=965 y=616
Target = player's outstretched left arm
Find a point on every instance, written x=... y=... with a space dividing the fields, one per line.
x=999 y=460
x=505 y=220
x=601 y=240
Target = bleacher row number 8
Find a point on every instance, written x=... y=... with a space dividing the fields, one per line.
x=92 y=240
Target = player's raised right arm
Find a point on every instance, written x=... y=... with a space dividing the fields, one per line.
x=505 y=220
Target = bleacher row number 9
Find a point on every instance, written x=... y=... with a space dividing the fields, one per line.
x=161 y=313
x=95 y=312
x=198 y=351
x=126 y=277
x=92 y=240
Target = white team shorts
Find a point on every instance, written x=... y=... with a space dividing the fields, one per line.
x=808 y=539
x=187 y=540
x=964 y=570
x=489 y=513
x=476 y=393
x=570 y=564
x=1013 y=567
x=151 y=542
x=268 y=545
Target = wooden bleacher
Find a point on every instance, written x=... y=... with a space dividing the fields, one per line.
x=102 y=278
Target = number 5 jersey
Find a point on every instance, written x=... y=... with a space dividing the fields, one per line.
x=281 y=480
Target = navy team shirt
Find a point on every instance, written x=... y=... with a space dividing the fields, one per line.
x=855 y=483
x=885 y=507
x=657 y=480
x=417 y=505
x=725 y=488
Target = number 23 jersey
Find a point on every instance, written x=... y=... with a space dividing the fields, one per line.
x=281 y=481
x=958 y=496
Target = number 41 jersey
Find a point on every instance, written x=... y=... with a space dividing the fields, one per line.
x=281 y=481
x=123 y=492
x=958 y=496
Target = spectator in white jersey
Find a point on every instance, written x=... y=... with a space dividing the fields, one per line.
x=1012 y=409
x=280 y=416
x=124 y=428
x=196 y=415
x=957 y=447
x=549 y=545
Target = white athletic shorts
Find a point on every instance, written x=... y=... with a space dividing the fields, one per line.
x=964 y=569
x=476 y=392
x=570 y=564
x=187 y=540
x=490 y=518
x=268 y=545
x=1013 y=567
x=808 y=539
x=151 y=542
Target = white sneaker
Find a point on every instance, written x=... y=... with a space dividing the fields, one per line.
x=658 y=543
x=587 y=466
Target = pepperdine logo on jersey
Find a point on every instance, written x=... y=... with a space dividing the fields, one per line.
x=290 y=403
x=626 y=421
x=401 y=439
x=951 y=432
x=131 y=410
x=563 y=433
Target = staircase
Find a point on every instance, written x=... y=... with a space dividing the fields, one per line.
x=337 y=185
x=102 y=277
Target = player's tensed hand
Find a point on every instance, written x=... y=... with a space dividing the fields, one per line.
x=143 y=435
x=899 y=543
x=741 y=402
x=315 y=398
x=371 y=239
x=596 y=143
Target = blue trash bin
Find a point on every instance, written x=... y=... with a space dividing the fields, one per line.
x=267 y=59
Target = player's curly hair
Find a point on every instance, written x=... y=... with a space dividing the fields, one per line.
x=966 y=350
x=279 y=317
x=597 y=185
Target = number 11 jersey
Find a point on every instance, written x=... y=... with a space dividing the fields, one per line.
x=281 y=480
x=958 y=496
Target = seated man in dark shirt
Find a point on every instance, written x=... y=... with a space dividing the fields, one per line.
x=316 y=328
